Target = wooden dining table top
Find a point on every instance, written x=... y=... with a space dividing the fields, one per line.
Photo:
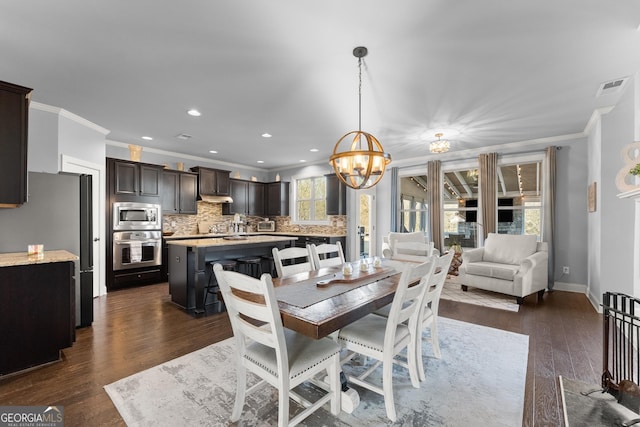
x=358 y=296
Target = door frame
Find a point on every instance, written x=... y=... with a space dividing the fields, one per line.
x=97 y=172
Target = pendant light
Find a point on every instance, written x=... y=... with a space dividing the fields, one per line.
x=358 y=158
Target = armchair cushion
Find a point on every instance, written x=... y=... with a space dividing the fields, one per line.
x=491 y=269
x=508 y=249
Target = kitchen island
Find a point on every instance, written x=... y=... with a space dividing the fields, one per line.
x=37 y=319
x=187 y=262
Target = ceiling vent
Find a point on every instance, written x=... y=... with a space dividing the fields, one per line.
x=611 y=87
x=183 y=136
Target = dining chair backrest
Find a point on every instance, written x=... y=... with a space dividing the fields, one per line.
x=408 y=300
x=432 y=295
x=327 y=255
x=244 y=312
x=290 y=261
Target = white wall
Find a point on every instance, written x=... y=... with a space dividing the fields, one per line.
x=42 y=154
x=615 y=240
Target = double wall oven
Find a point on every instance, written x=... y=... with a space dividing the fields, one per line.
x=137 y=235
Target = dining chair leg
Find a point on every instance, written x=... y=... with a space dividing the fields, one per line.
x=335 y=384
x=434 y=339
x=283 y=406
x=387 y=387
x=412 y=362
x=241 y=388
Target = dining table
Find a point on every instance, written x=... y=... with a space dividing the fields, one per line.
x=320 y=302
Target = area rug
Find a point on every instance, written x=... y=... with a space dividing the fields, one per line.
x=595 y=410
x=452 y=291
x=479 y=380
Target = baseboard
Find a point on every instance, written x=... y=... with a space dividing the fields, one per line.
x=570 y=287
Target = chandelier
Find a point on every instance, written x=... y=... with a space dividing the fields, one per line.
x=439 y=146
x=358 y=158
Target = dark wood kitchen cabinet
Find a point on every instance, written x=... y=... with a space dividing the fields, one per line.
x=135 y=179
x=179 y=192
x=14 y=114
x=248 y=198
x=212 y=182
x=336 y=195
x=277 y=195
x=39 y=321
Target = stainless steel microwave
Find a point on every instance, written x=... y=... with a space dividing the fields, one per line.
x=136 y=216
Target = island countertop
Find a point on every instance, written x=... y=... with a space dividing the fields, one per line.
x=23 y=258
x=220 y=241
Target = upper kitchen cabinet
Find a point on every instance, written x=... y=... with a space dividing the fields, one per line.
x=135 y=179
x=179 y=192
x=336 y=195
x=248 y=198
x=14 y=114
x=277 y=194
x=212 y=182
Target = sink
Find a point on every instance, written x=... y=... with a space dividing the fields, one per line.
x=235 y=237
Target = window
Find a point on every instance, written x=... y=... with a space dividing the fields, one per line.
x=460 y=206
x=311 y=204
x=520 y=199
x=414 y=208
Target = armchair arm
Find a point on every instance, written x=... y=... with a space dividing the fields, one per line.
x=472 y=255
x=533 y=274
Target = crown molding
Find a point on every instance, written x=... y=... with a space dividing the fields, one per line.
x=68 y=115
x=184 y=156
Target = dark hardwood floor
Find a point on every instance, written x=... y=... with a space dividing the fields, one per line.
x=135 y=329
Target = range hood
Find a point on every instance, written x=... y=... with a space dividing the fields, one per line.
x=216 y=199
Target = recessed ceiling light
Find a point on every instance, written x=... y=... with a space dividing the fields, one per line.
x=266 y=135
x=260 y=161
x=193 y=112
x=314 y=150
x=302 y=161
x=213 y=151
x=147 y=138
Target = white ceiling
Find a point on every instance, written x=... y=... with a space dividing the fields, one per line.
x=498 y=71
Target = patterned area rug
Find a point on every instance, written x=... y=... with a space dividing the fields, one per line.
x=595 y=410
x=479 y=380
x=453 y=292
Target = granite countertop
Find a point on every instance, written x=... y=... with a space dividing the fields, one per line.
x=22 y=258
x=265 y=233
x=219 y=241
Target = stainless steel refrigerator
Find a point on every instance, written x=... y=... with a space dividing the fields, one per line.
x=57 y=215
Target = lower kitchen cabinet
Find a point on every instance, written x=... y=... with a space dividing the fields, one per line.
x=37 y=319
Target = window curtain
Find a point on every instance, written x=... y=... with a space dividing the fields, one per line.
x=394 y=200
x=487 y=181
x=434 y=193
x=549 y=203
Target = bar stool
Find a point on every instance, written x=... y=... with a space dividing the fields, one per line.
x=272 y=265
x=252 y=265
x=212 y=284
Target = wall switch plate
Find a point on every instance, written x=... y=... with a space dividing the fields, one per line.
x=565 y=270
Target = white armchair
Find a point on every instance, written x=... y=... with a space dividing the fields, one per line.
x=407 y=247
x=515 y=265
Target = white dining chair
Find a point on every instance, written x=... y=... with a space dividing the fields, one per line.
x=429 y=312
x=327 y=255
x=290 y=261
x=384 y=338
x=281 y=357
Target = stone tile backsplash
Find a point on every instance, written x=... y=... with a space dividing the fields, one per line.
x=212 y=213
